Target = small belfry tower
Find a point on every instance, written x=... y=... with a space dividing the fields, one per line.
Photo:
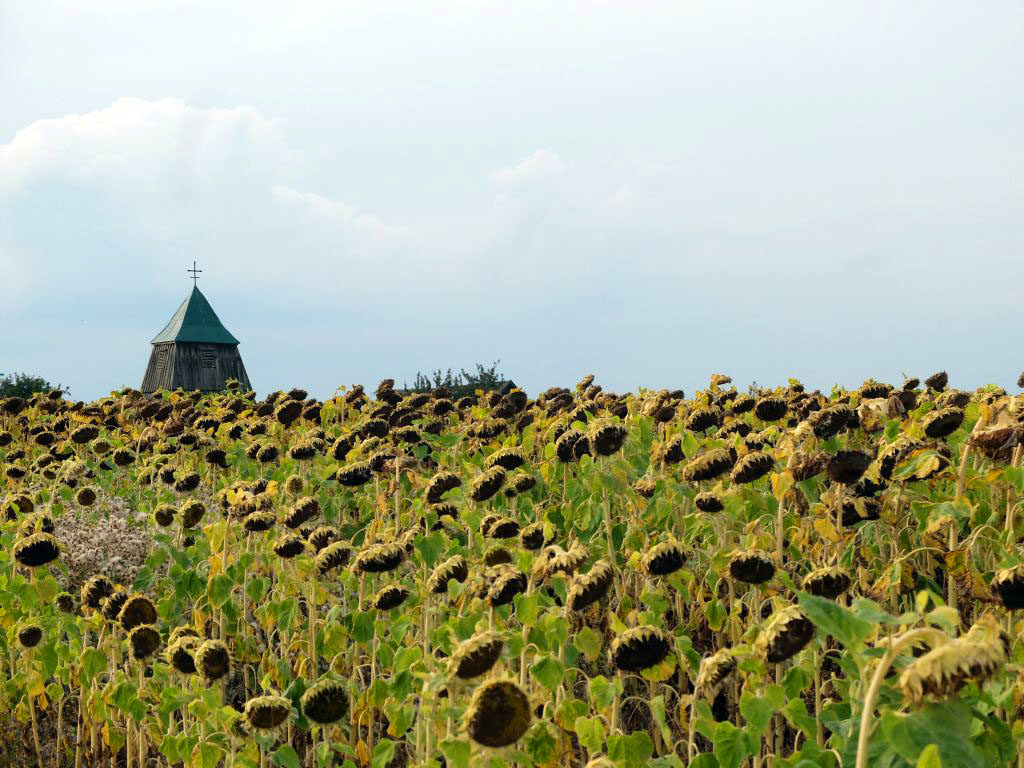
x=195 y=351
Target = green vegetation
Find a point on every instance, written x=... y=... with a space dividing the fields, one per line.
x=783 y=578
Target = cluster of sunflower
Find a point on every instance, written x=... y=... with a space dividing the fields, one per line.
x=581 y=577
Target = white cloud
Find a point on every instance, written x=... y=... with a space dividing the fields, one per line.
x=541 y=165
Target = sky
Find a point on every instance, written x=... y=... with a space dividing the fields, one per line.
x=647 y=191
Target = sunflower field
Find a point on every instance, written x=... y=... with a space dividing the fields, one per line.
x=767 y=578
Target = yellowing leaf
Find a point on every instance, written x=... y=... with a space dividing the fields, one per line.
x=781 y=483
x=826 y=529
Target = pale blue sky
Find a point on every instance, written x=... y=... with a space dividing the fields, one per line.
x=648 y=191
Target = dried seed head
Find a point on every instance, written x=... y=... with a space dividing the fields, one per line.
x=498 y=714
x=288 y=546
x=586 y=589
x=476 y=655
x=785 y=634
x=752 y=466
x=355 y=474
x=846 y=467
x=708 y=466
x=323 y=535
x=213 y=660
x=829 y=582
x=265 y=713
x=639 y=648
x=325 y=702
x=144 y=640
x=30 y=635
x=978 y=655
x=137 y=609
x=709 y=502
x=112 y=605
x=714 y=669
x=95 y=590
x=507 y=583
x=304 y=510
x=390 y=596
x=943 y=422
x=486 y=484
x=663 y=559
x=180 y=653
x=36 y=550
x=506 y=458
x=1008 y=584
x=191 y=513
x=440 y=484
x=86 y=496
x=334 y=555
x=751 y=566
x=380 y=558
x=453 y=568
x=770 y=408
x=606 y=438
x=645 y=486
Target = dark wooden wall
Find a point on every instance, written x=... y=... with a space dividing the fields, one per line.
x=193 y=366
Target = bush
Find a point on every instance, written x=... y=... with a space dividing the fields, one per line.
x=23 y=385
x=462 y=383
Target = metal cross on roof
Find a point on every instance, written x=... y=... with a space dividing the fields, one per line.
x=195 y=274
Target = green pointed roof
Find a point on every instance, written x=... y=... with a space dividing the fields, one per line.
x=195 y=320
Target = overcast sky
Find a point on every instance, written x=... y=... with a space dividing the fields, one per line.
x=651 y=192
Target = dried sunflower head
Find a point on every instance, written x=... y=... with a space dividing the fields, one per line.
x=785 y=634
x=36 y=550
x=112 y=605
x=703 y=418
x=95 y=590
x=639 y=648
x=380 y=558
x=264 y=713
x=943 y=422
x=565 y=446
x=440 y=484
x=532 y=536
x=213 y=660
x=390 y=596
x=257 y=522
x=498 y=714
x=304 y=510
x=476 y=655
x=144 y=640
x=497 y=555
x=334 y=555
x=770 y=408
x=937 y=381
x=714 y=669
x=355 y=474
x=86 y=496
x=137 y=609
x=180 y=653
x=1008 y=584
x=454 y=567
x=751 y=566
x=288 y=546
x=606 y=438
x=708 y=465
x=503 y=528
x=828 y=582
x=664 y=558
x=65 y=602
x=29 y=635
x=325 y=702
x=942 y=671
x=323 y=535
x=486 y=484
x=645 y=486
x=506 y=458
x=505 y=586
x=751 y=467
x=191 y=513
x=846 y=467
x=164 y=514
x=709 y=502
x=586 y=589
